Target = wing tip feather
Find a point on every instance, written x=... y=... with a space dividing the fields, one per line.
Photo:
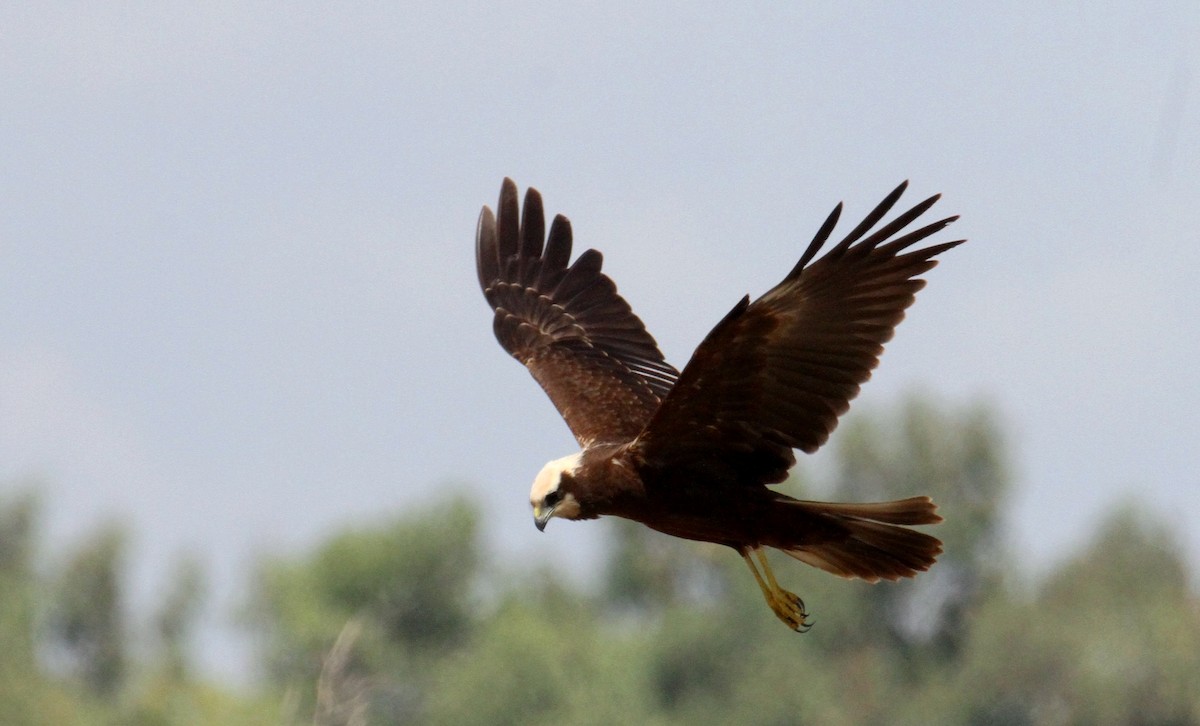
x=486 y=261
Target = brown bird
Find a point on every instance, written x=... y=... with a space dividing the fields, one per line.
x=692 y=454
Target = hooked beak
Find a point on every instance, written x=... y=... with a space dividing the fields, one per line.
x=541 y=515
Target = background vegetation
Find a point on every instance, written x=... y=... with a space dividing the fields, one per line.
x=408 y=621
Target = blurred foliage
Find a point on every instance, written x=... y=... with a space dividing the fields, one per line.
x=406 y=621
x=67 y=646
x=85 y=620
x=393 y=597
x=177 y=616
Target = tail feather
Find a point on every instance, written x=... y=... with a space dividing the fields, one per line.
x=866 y=540
x=914 y=510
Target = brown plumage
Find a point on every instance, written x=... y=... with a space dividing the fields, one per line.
x=691 y=453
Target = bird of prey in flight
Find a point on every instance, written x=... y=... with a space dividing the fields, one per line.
x=693 y=453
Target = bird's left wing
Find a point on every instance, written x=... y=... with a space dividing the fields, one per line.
x=566 y=323
x=775 y=375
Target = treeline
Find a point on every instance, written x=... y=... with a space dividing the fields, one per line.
x=409 y=621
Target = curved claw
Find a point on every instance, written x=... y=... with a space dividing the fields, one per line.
x=792 y=611
x=787 y=606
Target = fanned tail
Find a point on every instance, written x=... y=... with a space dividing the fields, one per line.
x=867 y=541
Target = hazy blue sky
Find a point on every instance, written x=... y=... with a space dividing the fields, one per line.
x=238 y=299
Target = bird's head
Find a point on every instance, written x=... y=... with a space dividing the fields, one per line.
x=552 y=494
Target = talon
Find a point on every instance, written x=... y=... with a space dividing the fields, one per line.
x=802 y=624
x=791 y=610
x=787 y=606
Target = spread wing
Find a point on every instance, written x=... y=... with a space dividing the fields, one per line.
x=566 y=323
x=776 y=374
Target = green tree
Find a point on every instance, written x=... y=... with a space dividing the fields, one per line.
x=86 y=617
x=1112 y=636
x=67 y=655
x=177 y=615
x=26 y=695
x=378 y=625
x=17 y=581
x=544 y=656
x=391 y=597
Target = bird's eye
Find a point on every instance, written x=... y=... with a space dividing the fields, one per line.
x=552 y=498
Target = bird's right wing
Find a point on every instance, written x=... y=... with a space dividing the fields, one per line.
x=567 y=324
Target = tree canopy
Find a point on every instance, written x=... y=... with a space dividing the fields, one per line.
x=406 y=620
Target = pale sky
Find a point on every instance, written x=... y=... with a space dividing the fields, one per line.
x=236 y=275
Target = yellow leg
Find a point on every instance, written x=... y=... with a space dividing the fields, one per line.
x=787 y=607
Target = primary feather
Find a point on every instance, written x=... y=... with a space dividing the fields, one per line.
x=567 y=324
